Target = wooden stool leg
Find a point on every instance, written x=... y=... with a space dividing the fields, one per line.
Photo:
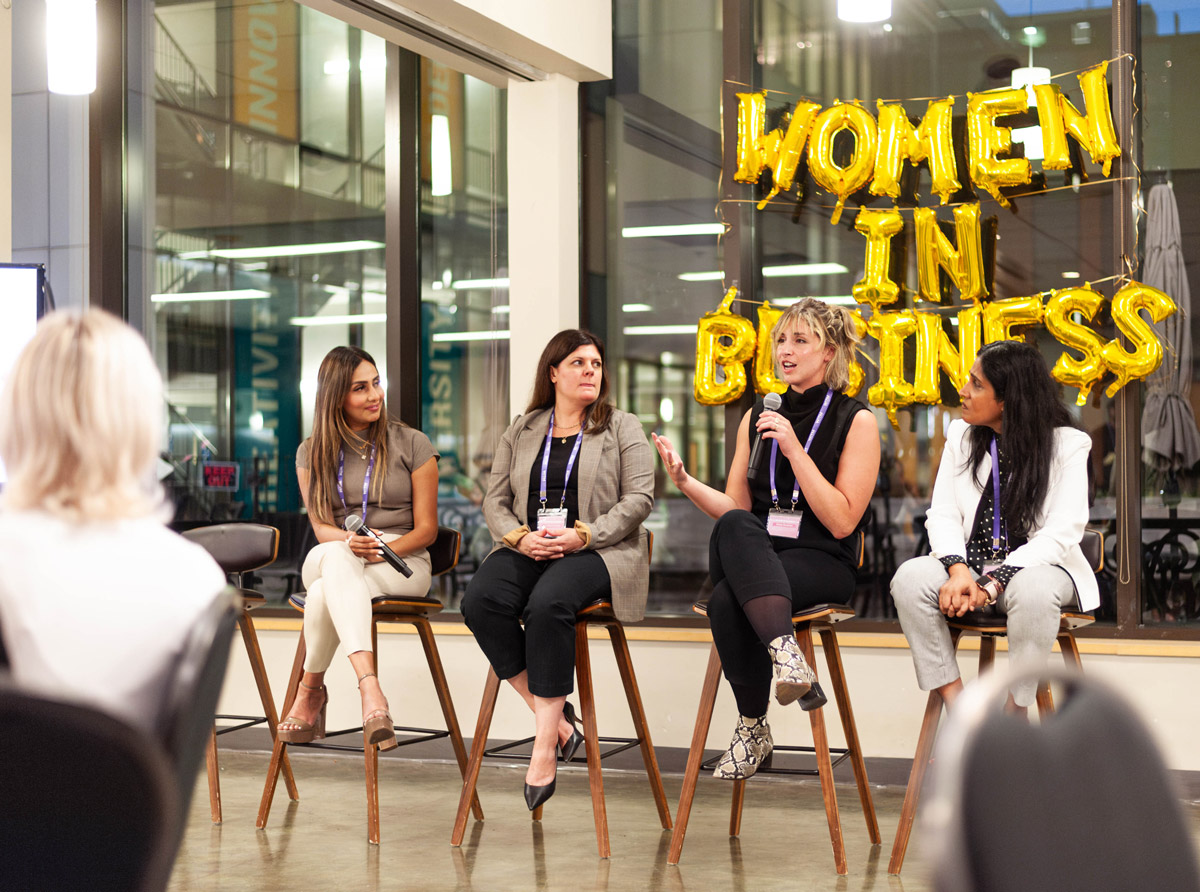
x=214 y=777
x=987 y=652
x=254 y=654
x=908 y=811
x=616 y=634
x=837 y=681
x=371 y=763
x=487 y=706
x=425 y=631
x=1070 y=649
x=279 y=750
x=708 y=699
x=824 y=764
x=583 y=670
x=1045 y=700
x=735 y=807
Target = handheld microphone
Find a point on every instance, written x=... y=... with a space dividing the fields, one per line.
x=355 y=525
x=772 y=402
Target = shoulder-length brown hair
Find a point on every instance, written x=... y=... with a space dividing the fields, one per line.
x=562 y=345
x=330 y=431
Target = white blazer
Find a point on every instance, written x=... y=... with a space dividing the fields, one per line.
x=1055 y=539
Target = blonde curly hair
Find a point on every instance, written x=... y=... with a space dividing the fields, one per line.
x=833 y=326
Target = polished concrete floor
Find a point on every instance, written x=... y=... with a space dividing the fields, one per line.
x=320 y=841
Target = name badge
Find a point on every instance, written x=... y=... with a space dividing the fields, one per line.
x=989 y=569
x=784 y=523
x=552 y=519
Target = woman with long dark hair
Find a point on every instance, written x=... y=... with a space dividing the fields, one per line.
x=357 y=461
x=572 y=481
x=1009 y=508
x=785 y=532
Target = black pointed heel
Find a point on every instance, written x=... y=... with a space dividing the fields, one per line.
x=535 y=796
x=567 y=750
x=814 y=699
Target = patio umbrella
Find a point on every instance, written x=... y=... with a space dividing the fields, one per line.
x=1170 y=440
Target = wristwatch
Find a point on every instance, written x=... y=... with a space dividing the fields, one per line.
x=990 y=585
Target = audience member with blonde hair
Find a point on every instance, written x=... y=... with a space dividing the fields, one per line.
x=97 y=596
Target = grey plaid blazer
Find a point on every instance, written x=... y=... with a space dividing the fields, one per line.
x=616 y=492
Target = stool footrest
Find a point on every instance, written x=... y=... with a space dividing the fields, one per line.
x=244 y=721
x=502 y=750
x=838 y=755
x=420 y=735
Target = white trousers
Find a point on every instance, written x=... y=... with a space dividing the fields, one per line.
x=1033 y=601
x=340 y=587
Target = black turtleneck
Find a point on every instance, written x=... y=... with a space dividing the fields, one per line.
x=801 y=409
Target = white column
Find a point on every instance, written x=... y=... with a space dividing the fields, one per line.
x=543 y=222
x=6 y=134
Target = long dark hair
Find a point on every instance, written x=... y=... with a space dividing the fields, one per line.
x=562 y=345
x=330 y=430
x=1032 y=413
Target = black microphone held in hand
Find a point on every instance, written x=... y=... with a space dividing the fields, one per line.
x=771 y=403
x=355 y=525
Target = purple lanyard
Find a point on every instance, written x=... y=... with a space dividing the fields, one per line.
x=366 y=479
x=546 y=461
x=807 y=444
x=995 y=497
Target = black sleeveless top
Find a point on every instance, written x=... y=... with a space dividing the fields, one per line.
x=801 y=410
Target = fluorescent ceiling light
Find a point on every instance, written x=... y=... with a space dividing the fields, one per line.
x=361 y=318
x=773 y=272
x=468 y=284
x=636 y=308
x=838 y=300
x=501 y=310
x=283 y=250
x=440 y=178
x=689 y=329
x=668 y=231
x=184 y=297
x=453 y=336
x=71 y=46
x=864 y=10
x=1070 y=274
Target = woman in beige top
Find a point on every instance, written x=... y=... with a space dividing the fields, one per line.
x=358 y=461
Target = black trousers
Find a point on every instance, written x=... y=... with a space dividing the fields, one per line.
x=510 y=589
x=744 y=565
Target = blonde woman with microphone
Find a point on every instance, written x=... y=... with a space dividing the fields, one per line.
x=362 y=466
x=784 y=537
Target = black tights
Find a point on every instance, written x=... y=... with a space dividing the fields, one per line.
x=755 y=591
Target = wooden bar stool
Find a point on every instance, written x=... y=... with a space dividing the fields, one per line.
x=989 y=627
x=239 y=548
x=415 y=611
x=599 y=612
x=820 y=618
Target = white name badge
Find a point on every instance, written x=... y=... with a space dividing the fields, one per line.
x=989 y=569
x=552 y=519
x=784 y=523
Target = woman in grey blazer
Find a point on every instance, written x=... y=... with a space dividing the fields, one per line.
x=572 y=481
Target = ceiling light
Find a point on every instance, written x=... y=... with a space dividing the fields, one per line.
x=689 y=329
x=453 y=336
x=283 y=250
x=468 y=284
x=838 y=300
x=864 y=10
x=1071 y=274
x=803 y=269
x=360 y=319
x=636 y=308
x=184 y=297
x=71 y=46
x=440 y=175
x=669 y=231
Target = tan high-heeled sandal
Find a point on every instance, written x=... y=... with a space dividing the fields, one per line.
x=305 y=732
x=378 y=727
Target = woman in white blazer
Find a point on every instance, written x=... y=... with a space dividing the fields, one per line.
x=1023 y=560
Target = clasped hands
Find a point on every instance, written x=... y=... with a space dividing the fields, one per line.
x=960 y=594
x=548 y=545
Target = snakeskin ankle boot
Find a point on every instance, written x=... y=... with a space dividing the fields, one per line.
x=794 y=680
x=749 y=751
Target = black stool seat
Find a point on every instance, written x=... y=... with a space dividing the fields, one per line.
x=830 y=613
x=997 y=623
x=388 y=605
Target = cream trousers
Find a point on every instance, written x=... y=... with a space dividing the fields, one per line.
x=340 y=588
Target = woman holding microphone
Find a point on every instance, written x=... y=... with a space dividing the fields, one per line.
x=356 y=451
x=572 y=481
x=783 y=537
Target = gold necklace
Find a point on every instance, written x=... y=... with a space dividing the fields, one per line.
x=563 y=439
